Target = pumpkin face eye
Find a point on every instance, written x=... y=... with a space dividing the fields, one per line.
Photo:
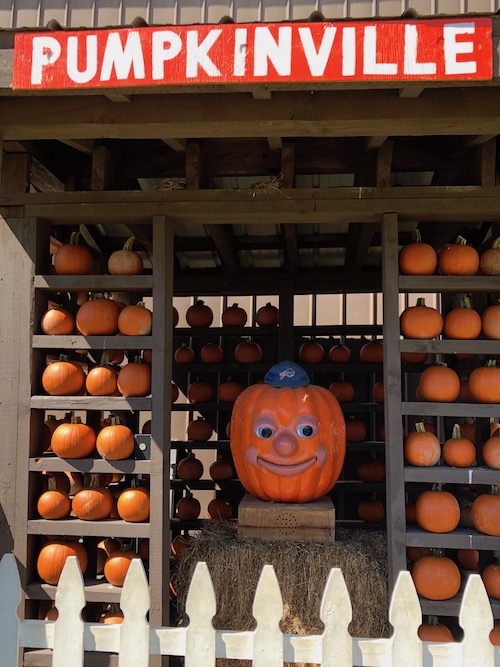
x=306 y=431
x=265 y=432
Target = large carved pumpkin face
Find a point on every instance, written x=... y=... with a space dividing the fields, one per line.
x=288 y=443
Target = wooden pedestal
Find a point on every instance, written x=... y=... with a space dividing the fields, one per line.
x=314 y=521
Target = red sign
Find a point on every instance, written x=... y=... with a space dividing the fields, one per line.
x=441 y=49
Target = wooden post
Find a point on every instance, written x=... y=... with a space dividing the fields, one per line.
x=285 y=331
x=159 y=542
x=395 y=493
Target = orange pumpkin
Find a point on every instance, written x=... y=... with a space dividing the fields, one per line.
x=457 y=451
x=188 y=508
x=134 y=379
x=93 y=502
x=469 y=559
x=184 y=354
x=490 y=260
x=101 y=380
x=73 y=259
x=436 y=577
x=116 y=441
x=462 y=323
x=484 y=383
x=248 y=352
x=221 y=469
x=311 y=352
x=437 y=511
x=57 y=322
x=458 y=259
x=371 y=470
x=339 y=354
x=230 y=390
x=199 y=429
x=179 y=544
x=490 y=320
x=219 y=509
x=63 y=378
x=343 y=391
x=125 y=262
x=433 y=631
x=414 y=357
x=74 y=440
x=134 y=504
x=98 y=317
x=53 y=504
x=199 y=315
x=117 y=565
x=372 y=353
x=355 y=430
x=135 y=320
x=486 y=512
x=421 y=321
x=287 y=437
x=491 y=451
x=211 y=354
x=234 y=316
x=417 y=258
x=52 y=558
x=267 y=316
x=495 y=634
x=491 y=580
x=200 y=391
x=190 y=468
x=371 y=511
x=378 y=392
x=439 y=384
x=421 y=448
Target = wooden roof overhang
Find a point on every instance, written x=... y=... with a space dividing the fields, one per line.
x=103 y=143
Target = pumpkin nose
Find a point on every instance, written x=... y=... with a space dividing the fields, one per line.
x=285 y=444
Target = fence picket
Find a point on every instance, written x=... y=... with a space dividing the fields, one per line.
x=268 y=611
x=69 y=626
x=476 y=620
x=336 y=614
x=201 y=608
x=405 y=617
x=134 y=631
x=10 y=623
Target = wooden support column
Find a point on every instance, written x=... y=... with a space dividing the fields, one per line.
x=159 y=543
x=15 y=172
x=285 y=330
x=395 y=490
x=289 y=230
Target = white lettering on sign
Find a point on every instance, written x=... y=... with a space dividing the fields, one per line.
x=86 y=75
x=122 y=59
x=197 y=54
x=411 y=65
x=160 y=52
x=348 y=51
x=452 y=48
x=240 y=51
x=317 y=59
x=267 y=49
x=370 y=64
x=45 y=51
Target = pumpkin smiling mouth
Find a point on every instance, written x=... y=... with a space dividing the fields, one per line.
x=287 y=470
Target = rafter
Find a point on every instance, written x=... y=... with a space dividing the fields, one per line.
x=225 y=245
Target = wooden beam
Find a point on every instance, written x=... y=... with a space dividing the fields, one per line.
x=480 y=139
x=105 y=169
x=225 y=245
x=289 y=231
x=196 y=167
x=359 y=241
x=83 y=145
x=116 y=97
x=375 y=142
x=487 y=153
x=275 y=143
x=15 y=174
x=384 y=165
x=410 y=91
x=447 y=110
x=261 y=93
x=1 y=155
x=178 y=145
x=44 y=180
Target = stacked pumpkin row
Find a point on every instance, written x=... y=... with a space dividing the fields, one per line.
x=200 y=315
x=73 y=259
x=441 y=384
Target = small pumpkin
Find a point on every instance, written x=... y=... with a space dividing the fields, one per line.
x=199 y=315
x=125 y=262
x=117 y=565
x=73 y=259
x=491 y=580
x=287 y=437
x=421 y=321
x=93 y=502
x=342 y=390
x=469 y=559
x=414 y=553
x=495 y=634
x=248 y=352
x=372 y=353
x=179 y=544
x=98 y=317
x=458 y=259
x=355 y=430
x=486 y=512
x=63 y=378
x=484 y=383
x=175 y=392
x=230 y=390
x=462 y=323
x=211 y=354
x=490 y=260
x=188 y=508
x=221 y=469
x=490 y=322
x=74 y=440
x=421 y=448
x=436 y=577
x=267 y=316
x=414 y=357
x=190 y=468
x=433 y=631
x=417 y=258
x=439 y=384
x=339 y=354
x=101 y=380
x=184 y=354
x=371 y=470
x=311 y=352
x=52 y=558
x=437 y=511
x=219 y=509
x=175 y=316
x=134 y=504
x=199 y=429
x=112 y=617
x=53 y=504
x=116 y=441
x=200 y=391
x=135 y=320
x=234 y=316
x=378 y=392
x=57 y=322
x=457 y=451
x=491 y=451
x=371 y=511
x=134 y=379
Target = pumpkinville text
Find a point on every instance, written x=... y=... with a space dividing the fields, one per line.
x=238 y=53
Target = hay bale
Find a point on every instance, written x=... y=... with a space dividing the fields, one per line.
x=301 y=568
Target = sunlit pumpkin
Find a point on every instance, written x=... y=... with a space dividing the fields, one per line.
x=125 y=262
x=63 y=377
x=417 y=258
x=52 y=558
x=116 y=441
x=433 y=631
x=490 y=322
x=437 y=511
x=93 y=502
x=101 y=380
x=288 y=437
x=74 y=440
x=117 y=565
x=135 y=320
x=57 y=322
x=484 y=383
x=436 y=577
x=134 y=504
x=98 y=317
x=73 y=259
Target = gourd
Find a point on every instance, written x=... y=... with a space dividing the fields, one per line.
x=436 y=577
x=125 y=262
x=98 y=317
x=267 y=316
x=73 y=259
x=116 y=441
x=458 y=259
x=287 y=437
x=199 y=314
x=490 y=260
x=134 y=379
x=437 y=511
x=135 y=320
x=57 y=322
x=457 y=451
x=52 y=558
x=421 y=448
x=421 y=321
x=63 y=377
x=101 y=380
x=417 y=258
x=462 y=323
x=484 y=383
x=234 y=316
x=74 y=440
x=134 y=504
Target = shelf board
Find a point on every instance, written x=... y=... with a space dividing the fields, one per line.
x=447 y=474
x=235 y=368
x=451 y=607
x=53 y=463
x=450 y=346
x=74 y=526
x=366 y=446
x=434 y=284
x=203 y=484
x=461 y=538
x=44 y=342
x=91 y=402
x=450 y=409
x=142 y=283
x=202 y=407
x=225 y=332
x=96 y=590
x=196 y=444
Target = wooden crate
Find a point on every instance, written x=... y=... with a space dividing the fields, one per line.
x=314 y=521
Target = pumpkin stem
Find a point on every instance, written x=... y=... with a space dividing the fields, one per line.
x=465 y=302
x=421 y=302
x=469 y=420
x=437 y=487
x=76 y=420
x=104 y=359
x=141 y=304
x=420 y=427
x=115 y=421
x=235 y=305
x=437 y=553
x=432 y=620
x=74 y=239
x=491 y=363
x=52 y=484
x=63 y=357
x=461 y=240
x=456 y=432
x=129 y=243
x=417 y=236
x=494 y=490
x=138 y=360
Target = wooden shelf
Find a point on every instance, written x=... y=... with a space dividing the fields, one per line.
x=142 y=284
x=55 y=464
x=104 y=343
x=450 y=409
x=448 y=475
x=451 y=607
x=196 y=444
x=461 y=538
x=102 y=528
x=450 y=346
x=91 y=403
x=203 y=484
x=96 y=590
x=327 y=368
x=459 y=284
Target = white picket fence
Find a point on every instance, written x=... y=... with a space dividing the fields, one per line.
x=135 y=640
